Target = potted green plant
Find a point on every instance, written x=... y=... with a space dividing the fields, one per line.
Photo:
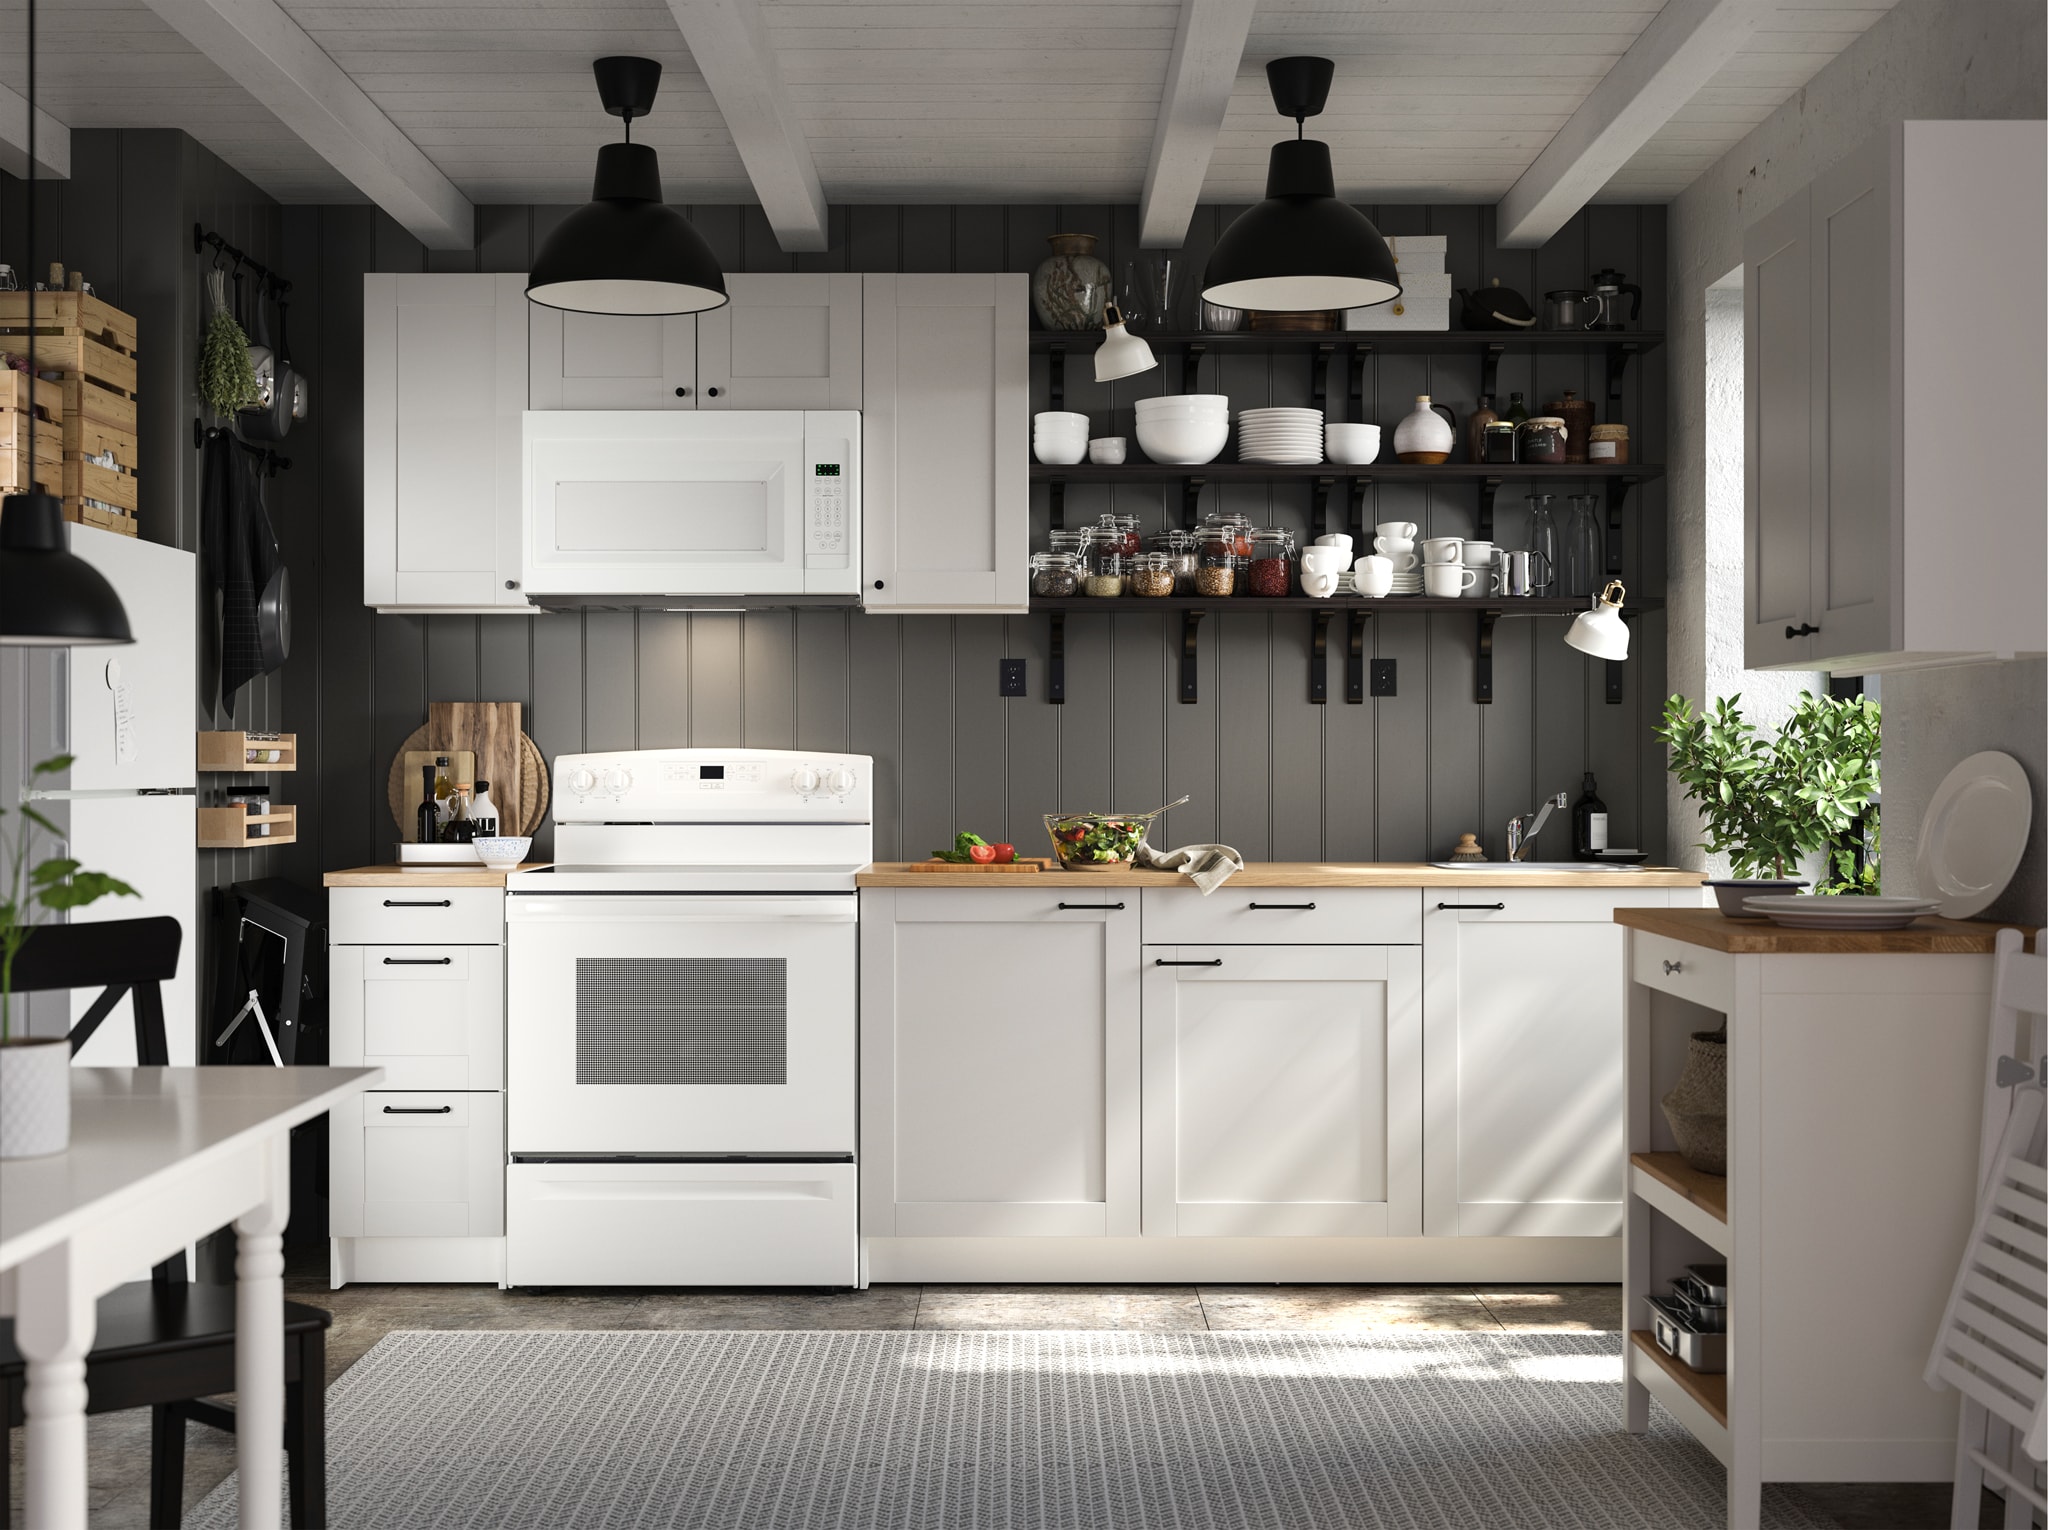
x=35 y=1071
x=1768 y=802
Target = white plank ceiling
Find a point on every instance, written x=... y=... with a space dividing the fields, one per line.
x=939 y=101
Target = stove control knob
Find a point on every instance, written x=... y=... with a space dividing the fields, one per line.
x=840 y=781
x=805 y=780
x=617 y=779
x=581 y=780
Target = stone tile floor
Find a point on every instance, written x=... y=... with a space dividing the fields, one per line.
x=364 y=1314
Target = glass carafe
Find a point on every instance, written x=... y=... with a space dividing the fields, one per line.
x=1584 y=547
x=1543 y=539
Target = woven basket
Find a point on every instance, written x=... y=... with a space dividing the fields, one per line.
x=1697 y=1106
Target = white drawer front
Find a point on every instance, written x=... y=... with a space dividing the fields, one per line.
x=431 y=1016
x=1287 y=916
x=417 y=1165
x=430 y=916
x=1690 y=972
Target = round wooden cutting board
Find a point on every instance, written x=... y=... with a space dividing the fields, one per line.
x=533 y=783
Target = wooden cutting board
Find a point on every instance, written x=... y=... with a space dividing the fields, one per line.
x=968 y=868
x=488 y=728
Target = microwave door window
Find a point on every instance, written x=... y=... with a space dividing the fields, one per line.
x=732 y=519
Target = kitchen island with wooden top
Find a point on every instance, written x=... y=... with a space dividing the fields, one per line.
x=1291 y=874
x=478 y=875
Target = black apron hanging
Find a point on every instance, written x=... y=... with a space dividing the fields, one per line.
x=244 y=566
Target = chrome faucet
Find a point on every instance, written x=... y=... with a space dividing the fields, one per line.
x=1520 y=840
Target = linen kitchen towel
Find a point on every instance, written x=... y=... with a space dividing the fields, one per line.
x=1207 y=866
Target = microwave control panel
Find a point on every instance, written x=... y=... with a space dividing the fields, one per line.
x=831 y=493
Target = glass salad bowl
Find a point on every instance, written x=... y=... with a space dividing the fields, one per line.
x=1100 y=841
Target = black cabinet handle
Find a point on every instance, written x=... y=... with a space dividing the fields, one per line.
x=419 y=961
x=713 y=392
x=1672 y=967
x=682 y=393
x=1804 y=629
x=1091 y=905
x=878 y=584
x=419 y=903
x=417 y=1110
x=1279 y=905
x=1472 y=905
x=1160 y=961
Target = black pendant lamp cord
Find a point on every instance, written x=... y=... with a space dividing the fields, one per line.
x=29 y=466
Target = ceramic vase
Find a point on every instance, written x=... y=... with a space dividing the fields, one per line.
x=1071 y=284
x=1427 y=435
x=1697 y=1106
x=35 y=1096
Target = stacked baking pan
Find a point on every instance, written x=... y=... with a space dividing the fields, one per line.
x=1691 y=1324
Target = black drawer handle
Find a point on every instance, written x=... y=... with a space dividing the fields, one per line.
x=1090 y=905
x=419 y=903
x=1671 y=968
x=417 y=1110
x=1472 y=905
x=419 y=961
x=1804 y=629
x=1160 y=961
x=1279 y=905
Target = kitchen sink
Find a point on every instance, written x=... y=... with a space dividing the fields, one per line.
x=1513 y=866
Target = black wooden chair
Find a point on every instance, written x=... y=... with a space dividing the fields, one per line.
x=165 y=1343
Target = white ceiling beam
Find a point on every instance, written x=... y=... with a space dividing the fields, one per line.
x=53 y=140
x=1207 y=49
x=732 y=52
x=269 y=55
x=1682 y=48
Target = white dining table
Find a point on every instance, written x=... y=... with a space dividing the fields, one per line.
x=159 y=1158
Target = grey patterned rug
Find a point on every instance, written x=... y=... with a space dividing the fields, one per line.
x=1004 y=1431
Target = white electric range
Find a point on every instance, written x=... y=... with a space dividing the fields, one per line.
x=681 y=1015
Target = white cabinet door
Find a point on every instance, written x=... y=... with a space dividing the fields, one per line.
x=1283 y=1090
x=432 y=1017
x=444 y=382
x=946 y=403
x=407 y=1165
x=999 y=1063
x=1524 y=994
x=612 y=361
x=786 y=340
x=1777 y=458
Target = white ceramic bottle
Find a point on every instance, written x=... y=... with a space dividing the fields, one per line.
x=1427 y=435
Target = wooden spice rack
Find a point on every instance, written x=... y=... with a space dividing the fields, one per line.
x=92 y=345
x=230 y=752
x=227 y=828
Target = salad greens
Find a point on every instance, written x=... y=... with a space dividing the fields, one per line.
x=1098 y=841
x=963 y=848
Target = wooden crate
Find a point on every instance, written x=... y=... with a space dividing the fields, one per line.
x=87 y=437
x=107 y=520
x=73 y=351
x=85 y=480
x=77 y=311
x=110 y=406
x=16 y=391
x=48 y=477
x=227 y=828
x=14 y=434
x=230 y=751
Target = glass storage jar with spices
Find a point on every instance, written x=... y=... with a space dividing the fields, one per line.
x=1500 y=443
x=1217 y=574
x=1054 y=574
x=1182 y=552
x=1106 y=565
x=1540 y=441
x=1608 y=444
x=1235 y=531
x=1151 y=575
x=1271 y=570
x=1121 y=531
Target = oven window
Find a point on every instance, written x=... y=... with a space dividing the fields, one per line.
x=682 y=1020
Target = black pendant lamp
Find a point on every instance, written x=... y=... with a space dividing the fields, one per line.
x=49 y=596
x=626 y=251
x=1301 y=250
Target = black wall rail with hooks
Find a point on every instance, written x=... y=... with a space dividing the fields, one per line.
x=272 y=463
x=202 y=241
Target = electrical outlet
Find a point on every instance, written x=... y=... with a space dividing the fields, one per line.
x=1382 y=677
x=1010 y=677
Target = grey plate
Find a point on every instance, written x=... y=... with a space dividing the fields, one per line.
x=1848 y=913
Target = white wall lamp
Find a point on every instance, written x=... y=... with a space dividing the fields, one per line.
x=1121 y=354
x=1601 y=632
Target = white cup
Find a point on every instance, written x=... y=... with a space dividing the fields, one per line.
x=1375 y=575
x=1325 y=560
x=1337 y=539
x=1319 y=584
x=1106 y=451
x=1400 y=556
x=1448 y=579
x=1351 y=443
x=1443 y=550
x=1477 y=555
x=1400 y=531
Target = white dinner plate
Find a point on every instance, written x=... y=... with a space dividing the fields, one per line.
x=1975 y=833
x=1812 y=912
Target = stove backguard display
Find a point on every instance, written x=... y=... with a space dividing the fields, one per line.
x=682 y=1020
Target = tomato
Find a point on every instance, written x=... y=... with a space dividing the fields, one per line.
x=1005 y=854
x=981 y=855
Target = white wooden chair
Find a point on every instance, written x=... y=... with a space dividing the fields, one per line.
x=1993 y=1343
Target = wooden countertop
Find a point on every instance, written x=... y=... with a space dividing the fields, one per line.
x=1755 y=937
x=478 y=875
x=1285 y=874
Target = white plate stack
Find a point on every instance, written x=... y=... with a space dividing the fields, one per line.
x=1425 y=300
x=1281 y=437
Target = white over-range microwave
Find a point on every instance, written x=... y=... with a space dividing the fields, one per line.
x=638 y=506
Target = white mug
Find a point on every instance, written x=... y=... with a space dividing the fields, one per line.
x=1324 y=560
x=1443 y=549
x=1448 y=579
x=1106 y=451
x=1400 y=531
x=1374 y=575
x=1319 y=584
x=1477 y=554
x=1400 y=554
x=1337 y=539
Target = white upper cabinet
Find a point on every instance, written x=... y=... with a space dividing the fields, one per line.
x=945 y=400
x=783 y=342
x=444 y=382
x=1889 y=521
x=612 y=361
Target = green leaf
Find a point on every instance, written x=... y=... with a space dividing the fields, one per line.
x=86 y=887
x=54 y=869
x=56 y=764
x=40 y=821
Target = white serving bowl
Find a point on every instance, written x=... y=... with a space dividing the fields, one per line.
x=501 y=852
x=1059 y=453
x=1106 y=451
x=1183 y=400
x=1354 y=444
x=1183 y=443
x=1060 y=419
x=1186 y=417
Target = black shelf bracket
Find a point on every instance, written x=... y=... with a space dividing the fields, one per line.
x=1191 y=501
x=1489 y=368
x=1056 y=662
x=1056 y=373
x=1487 y=490
x=1482 y=674
x=1319 y=660
x=1354 y=659
x=1359 y=486
x=1619 y=354
x=1361 y=356
x=1057 y=489
x=1319 y=505
x=1190 y=628
x=1319 y=374
x=1191 y=356
x=1617 y=496
x=1615 y=695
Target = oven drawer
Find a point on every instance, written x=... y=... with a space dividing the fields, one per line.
x=417 y=1165
x=430 y=916
x=681 y=1224
x=432 y=1017
x=1290 y=916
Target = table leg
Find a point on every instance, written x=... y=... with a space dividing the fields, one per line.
x=53 y=1328
x=259 y=1345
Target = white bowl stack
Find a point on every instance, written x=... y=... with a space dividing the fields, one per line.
x=1059 y=436
x=1183 y=429
x=1282 y=437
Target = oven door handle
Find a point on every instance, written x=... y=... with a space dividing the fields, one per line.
x=685 y=908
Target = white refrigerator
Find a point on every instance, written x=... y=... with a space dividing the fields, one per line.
x=130 y=716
